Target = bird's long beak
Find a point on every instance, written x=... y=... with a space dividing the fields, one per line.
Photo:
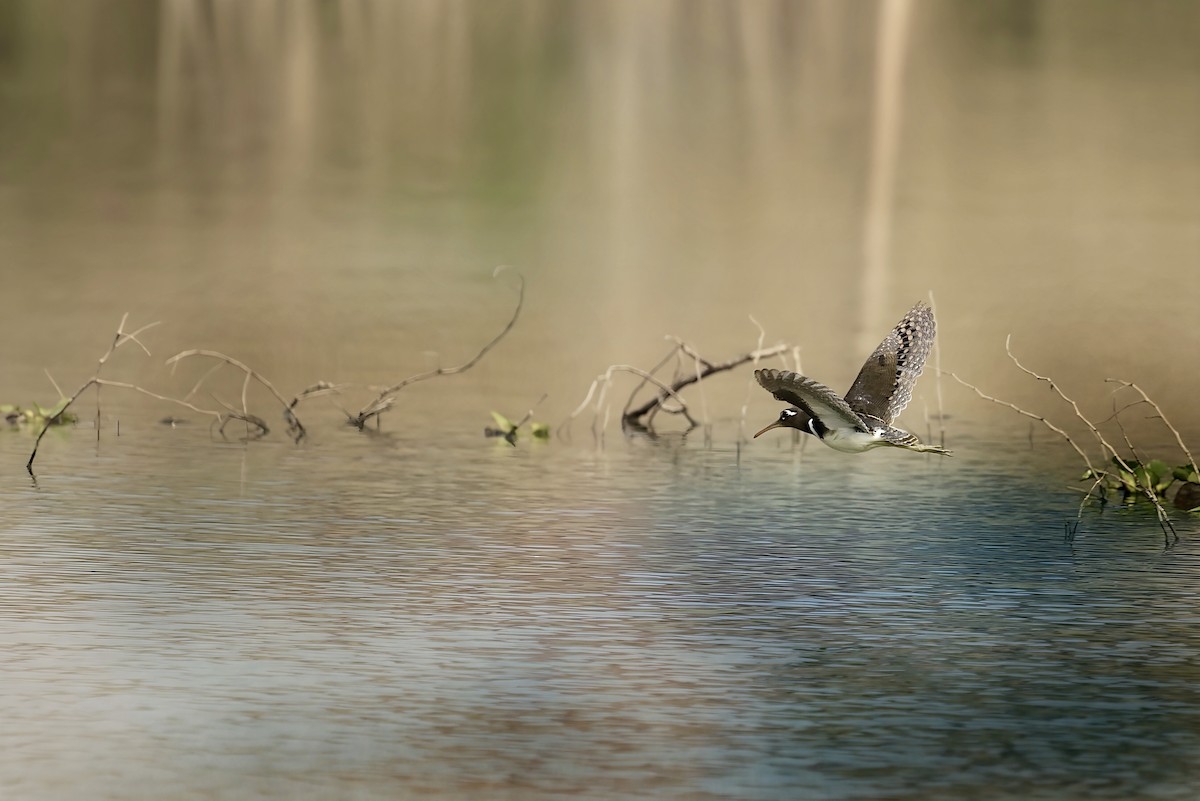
x=776 y=424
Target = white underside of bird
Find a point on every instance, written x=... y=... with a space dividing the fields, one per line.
x=848 y=440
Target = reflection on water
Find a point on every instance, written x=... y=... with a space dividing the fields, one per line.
x=370 y=620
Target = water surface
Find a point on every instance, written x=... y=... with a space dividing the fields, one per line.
x=366 y=618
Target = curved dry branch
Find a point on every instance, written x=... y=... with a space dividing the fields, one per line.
x=1161 y=416
x=632 y=417
x=217 y=416
x=1104 y=443
x=314 y=391
x=220 y=419
x=387 y=397
x=762 y=335
x=706 y=368
x=1107 y=448
x=1082 y=455
x=647 y=377
x=603 y=380
x=295 y=427
x=119 y=339
x=52 y=420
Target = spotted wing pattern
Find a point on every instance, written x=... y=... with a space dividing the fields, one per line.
x=885 y=384
x=821 y=402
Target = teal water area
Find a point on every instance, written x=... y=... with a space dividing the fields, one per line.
x=375 y=618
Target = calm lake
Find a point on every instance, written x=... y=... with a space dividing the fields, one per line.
x=322 y=190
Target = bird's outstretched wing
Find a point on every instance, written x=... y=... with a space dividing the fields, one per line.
x=821 y=402
x=885 y=384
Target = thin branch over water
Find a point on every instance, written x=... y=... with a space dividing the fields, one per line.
x=1109 y=452
x=668 y=398
x=387 y=397
x=120 y=338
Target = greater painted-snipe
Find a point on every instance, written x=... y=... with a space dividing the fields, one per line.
x=863 y=419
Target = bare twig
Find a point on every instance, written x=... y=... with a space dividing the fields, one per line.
x=529 y=414
x=667 y=399
x=1116 y=417
x=1104 y=444
x=1035 y=416
x=245 y=416
x=387 y=397
x=937 y=365
x=633 y=415
x=1163 y=520
x=646 y=377
x=699 y=364
x=217 y=416
x=295 y=427
x=762 y=335
x=1161 y=416
x=509 y=433
x=314 y=391
x=200 y=381
x=1107 y=448
x=119 y=339
x=688 y=350
x=57 y=388
x=603 y=380
x=221 y=419
x=1096 y=484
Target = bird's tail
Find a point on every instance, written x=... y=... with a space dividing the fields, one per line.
x=908 y=441
x=921 y=447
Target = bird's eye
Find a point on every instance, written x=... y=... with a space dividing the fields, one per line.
x=786 y=414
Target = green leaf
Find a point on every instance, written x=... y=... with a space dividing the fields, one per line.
x=1142 y=476
x=1186 y=472
x=1158 y=475
x=540 y=430
x=503 y=422
x=8 y=408
x=58 y=407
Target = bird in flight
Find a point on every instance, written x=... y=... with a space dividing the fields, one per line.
x=863 y=419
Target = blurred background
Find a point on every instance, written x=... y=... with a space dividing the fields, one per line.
x=322 y=188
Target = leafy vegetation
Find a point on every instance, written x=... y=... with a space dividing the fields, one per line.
x=1133 y=479
x=38 y=415
x=507 y=429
